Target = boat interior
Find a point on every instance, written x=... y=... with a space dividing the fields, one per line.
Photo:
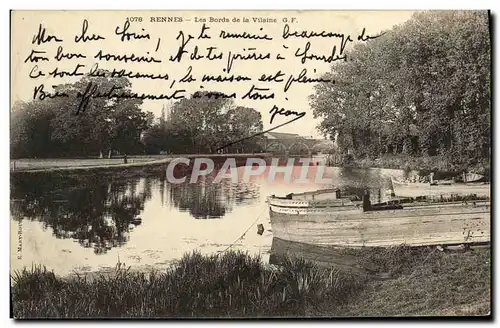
x=334 y=198
x=317 y=195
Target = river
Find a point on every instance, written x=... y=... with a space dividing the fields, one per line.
x=90 y=222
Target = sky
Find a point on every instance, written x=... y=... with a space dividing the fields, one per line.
x=66 y=25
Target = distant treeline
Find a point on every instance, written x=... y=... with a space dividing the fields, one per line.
x=51 y=128
x=421 y=89
x=202 y=124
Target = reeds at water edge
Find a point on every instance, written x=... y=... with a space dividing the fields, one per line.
x=238 y=285
x=233 y=284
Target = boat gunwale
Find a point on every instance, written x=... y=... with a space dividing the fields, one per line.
x=352 y=204
x=370 y=212
x=429 y=185
x=474 y=202
x=416 y=206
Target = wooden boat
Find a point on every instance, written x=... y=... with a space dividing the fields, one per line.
x=447 y=188
x=472 y=177
x=345 y=223
x=309 y=199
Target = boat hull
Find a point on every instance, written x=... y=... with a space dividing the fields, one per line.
x=414 y=225
x=417 y=189
x=325 y=256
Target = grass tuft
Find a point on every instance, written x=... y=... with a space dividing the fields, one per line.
x=236 y=284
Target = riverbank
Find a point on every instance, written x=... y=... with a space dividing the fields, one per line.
x=407 y=163
x=421 y=282
x=53 y=165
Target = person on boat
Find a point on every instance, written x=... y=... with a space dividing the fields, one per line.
x=431 y=177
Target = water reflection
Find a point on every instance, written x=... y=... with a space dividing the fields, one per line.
x=206 y=199
x=203 y=201
x=145 y=220
x=100 y=212
x=97 y=213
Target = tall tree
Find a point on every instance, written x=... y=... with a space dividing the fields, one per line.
x=423 y=88
x=52 y=127
x=203 y=123
x=243 y=122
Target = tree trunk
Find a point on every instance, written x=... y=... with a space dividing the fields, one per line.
x=109 y=153
x=100 y=154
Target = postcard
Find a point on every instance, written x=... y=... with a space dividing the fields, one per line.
x=250 y=164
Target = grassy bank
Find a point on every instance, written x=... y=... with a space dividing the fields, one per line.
x=422 y=282
x=86 y=164
x=429 y=163
x=32 y=164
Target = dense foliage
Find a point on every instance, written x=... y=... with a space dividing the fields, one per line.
x=203 y=123
x=199 y=124
x=52 y=127
x=421 y=89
